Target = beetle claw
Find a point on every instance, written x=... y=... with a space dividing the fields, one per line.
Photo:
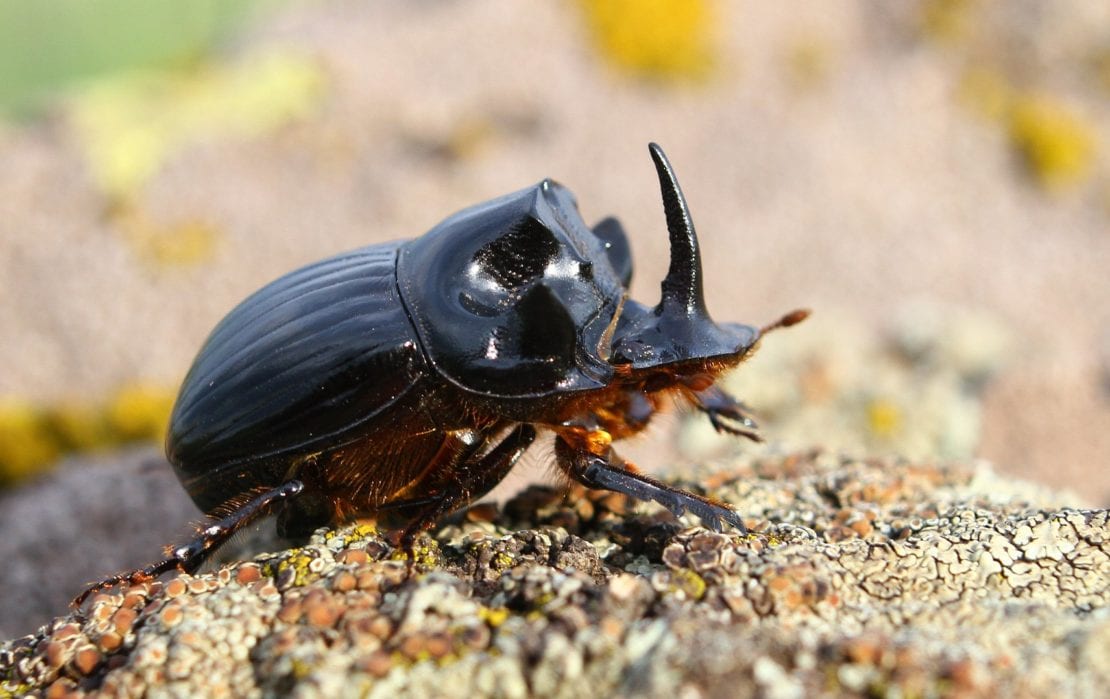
x=132 y=578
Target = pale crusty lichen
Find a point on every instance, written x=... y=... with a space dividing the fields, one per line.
x=859 y=577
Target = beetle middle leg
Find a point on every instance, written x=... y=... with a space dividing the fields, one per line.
x=469 y=480
x=585 y=456
x=189 y=557
x=726 y=414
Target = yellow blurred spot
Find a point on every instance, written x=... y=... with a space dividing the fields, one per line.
x=987 y=92
x=26 y=444
x=140 y=411
x=79 y=426
x=1057 y=144
x=948 y=20
x=186 y=244
x=670 y=39
x=884 y=417
x=129 y=126
x=1100 y=65
x=808 y=62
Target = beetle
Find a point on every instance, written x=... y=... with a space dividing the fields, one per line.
x=407 y=378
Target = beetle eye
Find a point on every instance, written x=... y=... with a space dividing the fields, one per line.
x=519 y=256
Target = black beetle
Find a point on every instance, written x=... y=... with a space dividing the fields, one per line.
x=409 y=377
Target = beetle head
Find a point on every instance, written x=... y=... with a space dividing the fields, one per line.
x=679 y=329
x=517 y=297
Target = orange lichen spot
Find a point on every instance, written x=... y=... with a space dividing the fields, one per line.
x=662 y=39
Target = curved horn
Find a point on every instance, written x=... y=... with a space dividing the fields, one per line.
x=682 y=287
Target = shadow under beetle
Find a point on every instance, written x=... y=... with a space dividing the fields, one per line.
x=409 y=377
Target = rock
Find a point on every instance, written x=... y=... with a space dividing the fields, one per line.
x=958 y=584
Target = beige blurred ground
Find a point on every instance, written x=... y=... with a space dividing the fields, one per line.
x=833 y=160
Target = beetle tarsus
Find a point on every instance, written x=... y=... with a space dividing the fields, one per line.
x=595 y=471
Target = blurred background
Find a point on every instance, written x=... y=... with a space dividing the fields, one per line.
x=930 y=177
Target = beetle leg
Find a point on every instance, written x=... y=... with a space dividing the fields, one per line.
x=726 y=414
x=601 y=468
x=189 y=557
x=470 y=480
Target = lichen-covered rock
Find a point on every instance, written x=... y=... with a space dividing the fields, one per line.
x=858 y=578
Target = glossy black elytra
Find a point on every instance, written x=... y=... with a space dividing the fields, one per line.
x=409 y=377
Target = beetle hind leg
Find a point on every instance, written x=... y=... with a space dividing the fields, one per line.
x=189 y=557
x=606 y=471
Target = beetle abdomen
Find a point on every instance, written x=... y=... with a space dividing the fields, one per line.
x=298 y=367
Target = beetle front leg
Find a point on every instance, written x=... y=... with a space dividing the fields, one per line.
x=585 y=456
x=189 y=557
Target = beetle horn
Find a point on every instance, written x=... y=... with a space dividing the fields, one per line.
x=682 y=287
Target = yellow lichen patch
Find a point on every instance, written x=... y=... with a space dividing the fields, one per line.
x=140 y=411
x=26 y=443
x=688 y=583
x=668 y=39
x=1056 y=142
x=129 y=126
x=298 y=562
x=12 y=691
x=425 y=553
x=493 y=616
x=884 y=417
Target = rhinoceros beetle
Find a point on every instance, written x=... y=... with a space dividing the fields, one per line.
x=409 y=377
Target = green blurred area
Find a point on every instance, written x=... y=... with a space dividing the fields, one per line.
x=49 y=44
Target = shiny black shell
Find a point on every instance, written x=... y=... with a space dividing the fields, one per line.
x=501 y=303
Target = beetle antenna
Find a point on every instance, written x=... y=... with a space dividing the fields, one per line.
x=682 y=287
x=792 y=318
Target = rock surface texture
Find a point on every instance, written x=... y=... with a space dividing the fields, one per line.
x=858 y=578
